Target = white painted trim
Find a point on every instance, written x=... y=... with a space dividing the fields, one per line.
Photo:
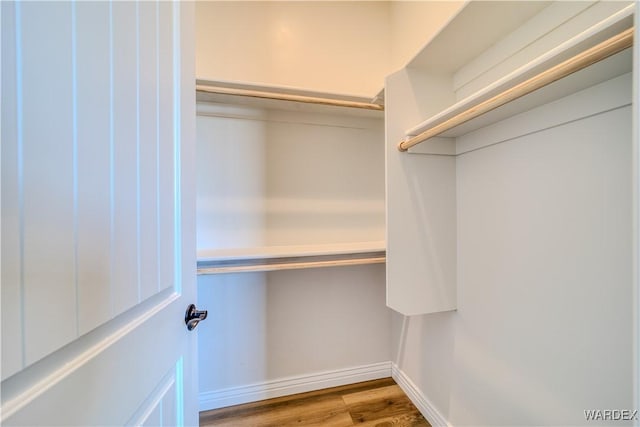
x=291 y=385
x=154 y=400
x=424 y=405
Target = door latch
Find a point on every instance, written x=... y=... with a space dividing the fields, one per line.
x=193 y=316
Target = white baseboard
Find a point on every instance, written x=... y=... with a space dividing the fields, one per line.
x=291 y=385
x=423 y=404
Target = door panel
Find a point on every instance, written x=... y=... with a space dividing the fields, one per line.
x=46 y=141
x=126 y=240
x=148 y=153
x=10 y=288
x=99 y=264
x=94 y=165
x=166 y=132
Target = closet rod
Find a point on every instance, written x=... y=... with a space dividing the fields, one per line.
x=287 y=97
x=588 y=57
x=374 y=259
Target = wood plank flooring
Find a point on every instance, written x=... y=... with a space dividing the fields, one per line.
x=377 y=403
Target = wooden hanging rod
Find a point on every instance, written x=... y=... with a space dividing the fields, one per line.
x=287 y=97
x=590 y=56
x=289 y=263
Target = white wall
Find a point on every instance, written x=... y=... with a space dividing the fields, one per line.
x=302 y=325
x=269 y=177
x=340 y=47
x=346 y=47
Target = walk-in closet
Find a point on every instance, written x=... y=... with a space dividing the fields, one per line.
x=489 y=207
x=433 y=204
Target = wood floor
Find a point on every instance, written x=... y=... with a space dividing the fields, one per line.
x=379 y=403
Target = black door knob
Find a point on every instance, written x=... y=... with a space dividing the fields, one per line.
x=193 y=316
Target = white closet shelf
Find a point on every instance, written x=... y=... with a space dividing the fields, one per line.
x=271 y=258
x=611 y=67
x=488 y=21
x=285 y=98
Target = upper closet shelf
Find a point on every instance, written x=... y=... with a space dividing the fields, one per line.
x=569 y=67
x=289 y=257
x=286 y=98
x=474 y=29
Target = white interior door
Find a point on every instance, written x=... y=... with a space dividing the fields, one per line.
x=98 y=235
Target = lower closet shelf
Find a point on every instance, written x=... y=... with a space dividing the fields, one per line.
x=289 y=257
